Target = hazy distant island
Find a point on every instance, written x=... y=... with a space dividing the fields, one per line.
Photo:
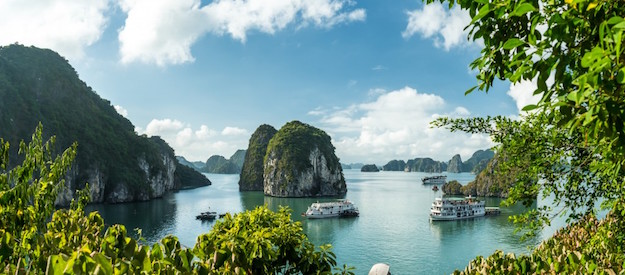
x=38 y=85
x=299 y=161
x=370 y=168
x=475 y=164
x=217 y=164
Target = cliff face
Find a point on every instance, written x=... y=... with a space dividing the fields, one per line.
x=455 y=164
x=38 y=85
x=300 y=162
x=251 y=178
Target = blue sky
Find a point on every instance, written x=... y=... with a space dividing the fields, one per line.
x=204 y=74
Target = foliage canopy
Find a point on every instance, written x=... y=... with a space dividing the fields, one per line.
x=571 y=144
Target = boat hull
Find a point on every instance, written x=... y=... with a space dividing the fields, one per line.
x=453 y=218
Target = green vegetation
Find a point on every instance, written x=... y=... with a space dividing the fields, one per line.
x=452 y=187
x=492 y=182
x=294 y=142
x=70 y=242
x=572 y=146
x=251 y=178
x=38 y=85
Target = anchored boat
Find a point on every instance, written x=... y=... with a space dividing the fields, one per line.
x=447 y=209
x=341 y=208
x=205 y=216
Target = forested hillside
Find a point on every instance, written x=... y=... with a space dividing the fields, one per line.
x=38 y=85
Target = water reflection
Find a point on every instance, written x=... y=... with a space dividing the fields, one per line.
x=153 y=217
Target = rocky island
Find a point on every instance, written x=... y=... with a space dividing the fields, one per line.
x=369 y=168
x=296 y=161
x=300 y=162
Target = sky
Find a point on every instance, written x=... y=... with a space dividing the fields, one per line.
x=204 y=75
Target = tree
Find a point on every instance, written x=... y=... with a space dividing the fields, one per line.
x=578 y=125
x=572 y=143
x=36 y=238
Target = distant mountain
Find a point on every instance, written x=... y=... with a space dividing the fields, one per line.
x=427 y=165
x=218 y=164
x=38 y=85
x=346 y=166
x=197 y=165
x=455 y=164
x=475 y=164
x=395 y=165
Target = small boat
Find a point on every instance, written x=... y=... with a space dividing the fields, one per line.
x=205 y=216
x=448 y=209
x=440 y=179
x=435 y=188
x=341 y=208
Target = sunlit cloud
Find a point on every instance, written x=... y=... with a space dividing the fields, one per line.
x=197 y=144
x=396 y=125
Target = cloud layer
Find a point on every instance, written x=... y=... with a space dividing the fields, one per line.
x=197 y=144
x=396 y=126
x=64 y=26
x=446 y=27
x=163 y=31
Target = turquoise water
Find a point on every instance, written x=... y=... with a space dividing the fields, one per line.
x=393 y=226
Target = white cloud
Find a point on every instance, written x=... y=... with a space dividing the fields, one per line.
x=446 y=27
x=163 y=31
x=523 y=93
x=198 y=144
x=395 y=125
x=63 y=26
x=120 y=110
x=233 y=131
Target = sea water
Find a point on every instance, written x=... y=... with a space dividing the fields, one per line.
x=393 y=226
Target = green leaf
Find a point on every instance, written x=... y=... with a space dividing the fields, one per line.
x=104 y=263
x=529 y=107
x=470 y=90
x=512 y=43
x=523 y=9
x=620 y=77
x=481 y=13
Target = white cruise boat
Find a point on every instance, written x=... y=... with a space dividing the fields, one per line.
x=341 y=208
x=440 y=179
x=447 y=209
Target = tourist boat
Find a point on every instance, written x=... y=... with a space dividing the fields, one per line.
x=341 y=208
x=447 y=209
x=440 y=179
x=206 y=216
